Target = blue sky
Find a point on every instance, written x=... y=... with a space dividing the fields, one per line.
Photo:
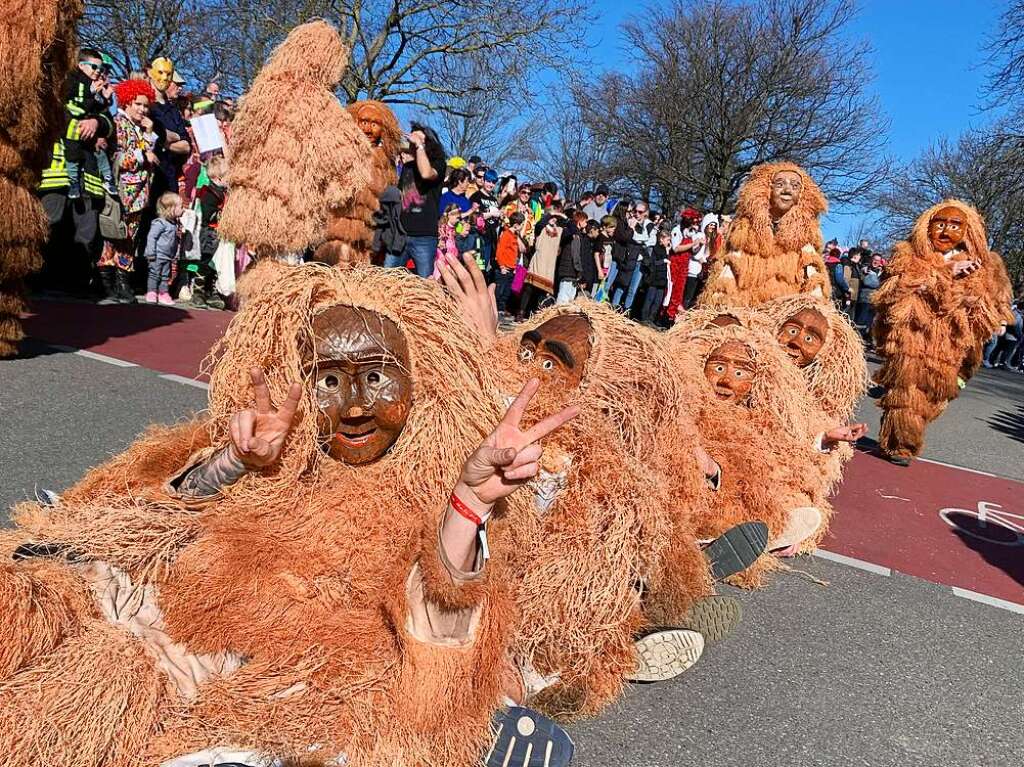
x=926 y=59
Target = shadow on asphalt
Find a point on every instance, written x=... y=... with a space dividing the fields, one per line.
x=998 y=545
x=85 y=326
x=1009 y=423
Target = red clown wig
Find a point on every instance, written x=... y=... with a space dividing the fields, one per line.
x=128 y=90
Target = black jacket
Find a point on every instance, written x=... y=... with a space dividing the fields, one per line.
x=655 y=268
x=575 y=250
x=624 y=254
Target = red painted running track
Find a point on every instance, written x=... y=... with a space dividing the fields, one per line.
x=887 y=515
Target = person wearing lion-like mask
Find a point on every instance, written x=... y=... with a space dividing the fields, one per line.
x=944 y=295
x=774 y=244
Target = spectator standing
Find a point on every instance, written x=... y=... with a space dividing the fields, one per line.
x=656 y=277
x=540 y=277
x=490 y=215
x=173 y=147
x=162 y=249
x=575 y=251
x=212 y=197
x=87 y=97
x=645 y=237
x=458 y=184
x=137 y=161
x=592 y=257
x=597 y=208
x=510 y=247
x=420 y=183
x=447 y=249
x=521 y=204
x=705 y=242
x=625 y=254
x=870 y=281
x=681 y=247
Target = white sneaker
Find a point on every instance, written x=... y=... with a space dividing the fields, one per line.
x=663 y=655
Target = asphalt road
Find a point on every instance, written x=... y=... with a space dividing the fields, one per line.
x=867 y=670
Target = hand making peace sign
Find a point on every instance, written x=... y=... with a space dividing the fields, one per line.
x=257 y=436
x=509 y=456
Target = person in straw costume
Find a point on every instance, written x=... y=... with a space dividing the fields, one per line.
x=296 y=153
x=310 y=585
x=774 y=245
x=944 y=295
x=38 y=40
x=349 y=235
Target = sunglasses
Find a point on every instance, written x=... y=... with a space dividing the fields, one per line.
x=91 y=64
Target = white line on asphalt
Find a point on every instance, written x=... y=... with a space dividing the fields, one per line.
x=960 y=468
x=105 y=358
x=184 y=380
x=1002 y=604
x=858 y=563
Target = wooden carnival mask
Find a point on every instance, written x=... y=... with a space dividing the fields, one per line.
x=786 y=188
x=947 y=228
x=730 y=371
x=363 y=387
x=803 y=335
x=557 y=352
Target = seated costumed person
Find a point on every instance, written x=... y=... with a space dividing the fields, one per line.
x=944 y=295
x=296 y=153
x=349 y=235
x=752 y=410
x=312 y=583
x=774 y=244
x=597 y=538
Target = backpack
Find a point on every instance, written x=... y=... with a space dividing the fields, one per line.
x=389 y=236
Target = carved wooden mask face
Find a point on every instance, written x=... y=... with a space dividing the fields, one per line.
x=557 y=353
x=730 y=371
x=947 y=229
x=786 y=188
x=803 y=335
x=363 y=386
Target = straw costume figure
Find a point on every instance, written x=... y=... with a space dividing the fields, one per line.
x=944 y=296
x=758 y=422
x=296 y=152
x=774 y=244
x=350 y=227
x=38 y=40
x=305 y=594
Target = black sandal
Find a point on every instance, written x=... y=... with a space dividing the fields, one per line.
x=528 y=739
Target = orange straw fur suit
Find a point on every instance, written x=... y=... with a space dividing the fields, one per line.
x=760 y=264
x=349 y=234
x=931 y=327
x=301 y=570
x=763 y=446
x=37 y=39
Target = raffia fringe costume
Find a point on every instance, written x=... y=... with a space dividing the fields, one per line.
x=931 y=327
x=760 y=264
x=37 y=38
x=292 y=591
x=296 y=152
x=587 y=566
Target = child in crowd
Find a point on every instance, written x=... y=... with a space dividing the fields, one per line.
x=211 y=196
x=162 y=248
x=510 y=247
x=447 y=249
x=88 y=94
x=467 y=236
x=655 y=277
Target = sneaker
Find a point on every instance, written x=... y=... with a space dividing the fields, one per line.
x=803 y=522
x=151 y=297
x=713 y=617
x=164 y=299
x=74 y=191
x=736 y=549
x=110 y=188
x=527 y=739
x=664 y=655
x=899 y=460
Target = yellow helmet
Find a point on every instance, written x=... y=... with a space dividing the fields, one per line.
x=160 y=72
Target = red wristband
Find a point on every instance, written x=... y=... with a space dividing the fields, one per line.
x=464 y=510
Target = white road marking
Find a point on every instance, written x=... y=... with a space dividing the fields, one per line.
x=1002 y=604
x=186 y=381
x=959 y=468
x=860 y=564
x=105 y=358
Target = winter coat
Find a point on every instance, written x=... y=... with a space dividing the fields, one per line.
x=655 y=268
x=624 y=253
x=162 y=242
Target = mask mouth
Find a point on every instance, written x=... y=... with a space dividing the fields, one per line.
x=724 y=394
x=356 y=432
x=794 y=351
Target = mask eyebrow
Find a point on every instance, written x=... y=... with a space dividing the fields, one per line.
x=533 y=337
x=560 y=350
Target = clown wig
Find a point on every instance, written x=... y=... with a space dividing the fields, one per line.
x=128 y=90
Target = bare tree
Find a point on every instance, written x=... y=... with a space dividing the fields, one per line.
x=984 y=168
x=724 y=86
x=134 y=32
x=1006 y=56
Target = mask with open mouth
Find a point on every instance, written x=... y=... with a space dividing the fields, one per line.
x=363 y=387
x=786 y=188
x=803 y=335
x=730 y=371
x=556 y=352
x=947 y=228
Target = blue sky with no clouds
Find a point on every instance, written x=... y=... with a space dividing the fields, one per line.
x=926 y=58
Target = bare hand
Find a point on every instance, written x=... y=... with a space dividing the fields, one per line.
x=509 y=456
x=964 y=268
x=147 y=123
x=850 y=433
x=416 y=138
x=87 y=128
x=152 y=159
x=706 y=462
x=469 y=290
x=257 y=436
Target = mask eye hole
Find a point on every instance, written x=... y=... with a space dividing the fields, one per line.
x=548 y=365
x=373 y=377
x=330 y=382
x=525 y=354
